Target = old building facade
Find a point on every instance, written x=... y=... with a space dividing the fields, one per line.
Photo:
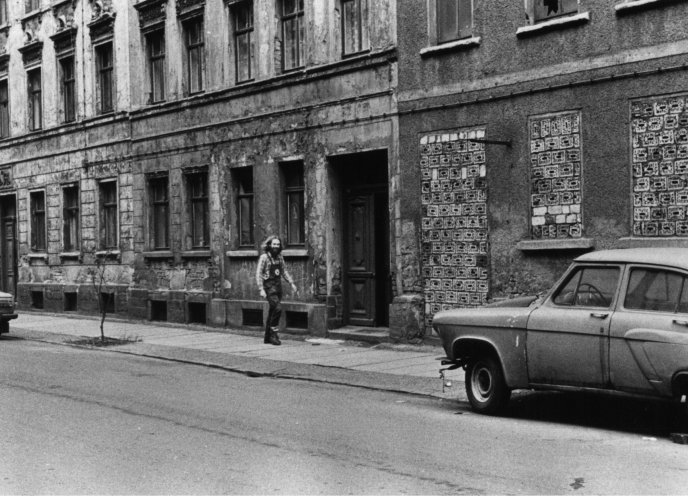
x=533 y=131
x=162 y=141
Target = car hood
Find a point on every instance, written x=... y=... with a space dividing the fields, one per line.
x=495 y=315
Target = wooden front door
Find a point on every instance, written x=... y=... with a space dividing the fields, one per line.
x=360 y=238
x=8 y=248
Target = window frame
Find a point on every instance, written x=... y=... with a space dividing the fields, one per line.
x=31 y=6
x=294 y=194
x=460 y=32
x=105 y=77
x=156 y=65
x=159 y=212
x=240 y=32
x=195 y=71
x=34 y=85
x=109 y=215
x=39 y=226
x=70 y=217
x=243 y=177
x=4 y=108
x=534 y=19
x=4 y=19
x=194 y=201
x=298 y=42
x=67 y=88
x=361 y=22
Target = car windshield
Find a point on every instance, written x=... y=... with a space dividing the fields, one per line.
x=589 y=287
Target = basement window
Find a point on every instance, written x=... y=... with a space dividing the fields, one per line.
x=70 y=301
x=297 y=320
x=107 y=302
x=158 y=310
x=196 y=313
x=37 y=299
x=251 y=317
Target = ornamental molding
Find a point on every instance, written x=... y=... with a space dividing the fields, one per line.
x=152 y=13
x=64 y=40
x=103 y=27
x=32 y=52
x=190 y=8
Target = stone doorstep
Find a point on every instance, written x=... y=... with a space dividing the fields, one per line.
x=374 y=335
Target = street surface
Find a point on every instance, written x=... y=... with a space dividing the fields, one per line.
x=84 y=421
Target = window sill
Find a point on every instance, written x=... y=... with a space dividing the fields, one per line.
x=355 y=54
x=37 y=256
x=242 y=253
x=196 y=254
x=556 y=244
x=158 y=254
x=450 y=46
x=108 y=254
x=295 y=253
x=631 y=242
x=636 y=5
x=554 y=24
x=70 y=255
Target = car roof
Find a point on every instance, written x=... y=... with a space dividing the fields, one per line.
x=674 y=257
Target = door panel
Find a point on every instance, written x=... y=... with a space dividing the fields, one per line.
x=360 y=260
x=8 y=253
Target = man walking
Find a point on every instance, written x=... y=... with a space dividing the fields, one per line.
x=271 y=269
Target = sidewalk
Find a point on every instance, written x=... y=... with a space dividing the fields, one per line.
x=402 y=368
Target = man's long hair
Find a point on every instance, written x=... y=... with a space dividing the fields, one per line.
x=266 y=245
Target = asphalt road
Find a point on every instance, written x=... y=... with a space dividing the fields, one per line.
x=78 y=421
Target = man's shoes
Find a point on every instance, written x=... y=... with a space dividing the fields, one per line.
x=274 y=339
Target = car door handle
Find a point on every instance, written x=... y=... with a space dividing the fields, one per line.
x=599 y=315
x=681 y=322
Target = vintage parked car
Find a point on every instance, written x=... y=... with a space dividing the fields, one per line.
x=616 y=322
x=7 y=312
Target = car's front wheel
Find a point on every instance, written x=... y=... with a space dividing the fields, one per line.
x=487 y=391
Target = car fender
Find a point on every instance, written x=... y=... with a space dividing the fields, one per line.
x=508 y=346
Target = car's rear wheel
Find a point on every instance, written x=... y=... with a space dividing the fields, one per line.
x=487 y=391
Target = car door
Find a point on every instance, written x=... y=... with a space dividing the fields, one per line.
x=649 y=330
x=567 y=338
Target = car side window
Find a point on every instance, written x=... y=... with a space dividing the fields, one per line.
x=656 y=290
x=589 y=287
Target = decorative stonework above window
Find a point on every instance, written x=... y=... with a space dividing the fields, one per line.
x=64 y=14
x=32 y=53
x=64 y=41
x=102 y=25
x=189 y=8
x=31 y=26
x=152 y=14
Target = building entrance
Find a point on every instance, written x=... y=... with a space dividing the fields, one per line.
x=8 y=246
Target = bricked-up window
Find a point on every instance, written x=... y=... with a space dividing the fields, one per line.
x=38 y=236
x=155 y=48
x=35 y=107
x=159 y=212
x=242 y=14
x=104 y=65
x=195 y=54
x=292 y=34
x=243 y=178
x=31 y=5
x=3 y=12
x=4 y=109
x=292 y=174
x=353 y=26
x=67 y=89
x=70 y=218
x=108 y=215
x=549 y=9
x=197 y=193
x=454 y=19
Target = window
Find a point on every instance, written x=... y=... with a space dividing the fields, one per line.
x=548 y=9
x=159 y=213
x=657 y=290
x=294 y=203
x=352 y=26
x=155 y=46
x=3 y=13
x=108 y=215
x=197 y=190
x=31 y=5
x=35 y=108
x=38 y=236
x=4 y=109
x=67 y=93
x=70 y=218
x=243 y=178
x=104 y=64
x=454 y=20
x=589 y=287
x=292 y=34
x=243 y=40
x=195 y=54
